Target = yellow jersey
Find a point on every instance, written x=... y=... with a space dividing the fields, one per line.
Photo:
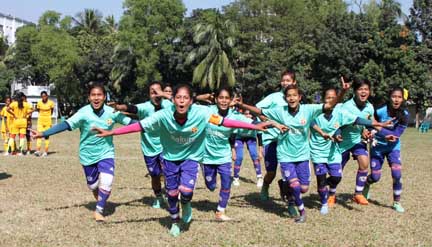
x=45 y=110
x=20 y=113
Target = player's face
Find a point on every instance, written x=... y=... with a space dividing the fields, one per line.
x=286 y=81
x=362 y=93
x=96 y=98
x=8 y=101
x=330 y=96
x=44 y=97
x=168 y=90
x=182 y=101
x=248 y=114
x=396 y=99
x=293 y=98
x=155 y=99
x=223 y=100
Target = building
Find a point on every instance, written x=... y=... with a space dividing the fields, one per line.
x=8 y=26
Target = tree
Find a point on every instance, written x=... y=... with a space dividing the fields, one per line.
x=89 y=21
x=215 y=41
x=150 y=28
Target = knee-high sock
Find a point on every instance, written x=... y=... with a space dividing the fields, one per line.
x=257 y=166
x=296 y=191
x=397 y=183
x=105 y=184
x=360 y=180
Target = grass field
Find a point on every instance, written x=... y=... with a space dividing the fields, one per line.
x=45 y=202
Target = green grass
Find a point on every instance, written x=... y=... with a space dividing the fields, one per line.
x=45 y=202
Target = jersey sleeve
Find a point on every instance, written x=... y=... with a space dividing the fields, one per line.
x=346 y=118
x=52 y=105
x=76 y=120
x=153 y=122
x=121 y=118
x=314 y=110
x=273 y=114
x=265 y=103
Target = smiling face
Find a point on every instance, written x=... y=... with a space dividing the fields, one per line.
x=168 y=90
x=287 y=80
x=154 y=98
x=362 y=93
x=293 y=98
x=223 y=100
x=396 y=98
x=44 y=97
x=330 y=96
x=182 y=100
x=7 y=101
x=96 y=98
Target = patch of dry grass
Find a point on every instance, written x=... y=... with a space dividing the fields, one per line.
x=45 y=202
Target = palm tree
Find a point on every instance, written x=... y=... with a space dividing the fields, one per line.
x=109 y=24
x=215 y=40
x=90 y=20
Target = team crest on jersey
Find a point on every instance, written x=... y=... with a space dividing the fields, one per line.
x=109 y=121
x=194 y=130
x=303 y=121
x=369 y=116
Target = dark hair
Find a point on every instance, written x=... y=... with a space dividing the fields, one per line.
x=154 y=83
x=167 y=85
x=20 y=98
x=328 y=89
x=293 y=86
x=360 y=82
x=398 y=114
x=96 y=85
x=185 y=86
x=44 y=92
x=7 y=98
x=289 y=72
x=221 y=89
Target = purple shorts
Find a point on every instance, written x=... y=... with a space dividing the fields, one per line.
x=377 y=160
x=358 y=150
x=154 y=164
x=270 y=157
x=300 y=170
x=335 y=169
x=92 y=171
x=180 y=175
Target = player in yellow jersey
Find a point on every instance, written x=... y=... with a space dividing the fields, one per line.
x=20 y=111
x=45 y=107
x=6 y=124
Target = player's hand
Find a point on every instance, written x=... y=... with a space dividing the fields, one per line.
x=391 y=138
x=263 y=126
x=345 y=85
x=35 y=134
x=338 y=138
x=102 y=132
x=366 y=134
x=326 y=136
x=207 y=97
x=282 y=128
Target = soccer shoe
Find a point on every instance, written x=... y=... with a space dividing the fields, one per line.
x=331 y=201
x=175 y=230
x=366 y=191
x=157 y=202
x=360 y=199
x=324 y=209
x=98 y=217
x=20 y=154
x=6 y=154
x=398 y=207
x=45 y=154
x=300 y=219
x=37 y=153
x=264 y=194
x=260 y=182
x=221 y=216
x=186 y=212
x=236 y=182
x=292 y=211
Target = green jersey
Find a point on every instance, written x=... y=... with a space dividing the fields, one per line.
x=293 y=146
x=271 y=101
x=181 y=141
x=93 y=149
x=352 y=134
x=217 y=146
x=245 y=133
x=150 y=141
x=326 y=151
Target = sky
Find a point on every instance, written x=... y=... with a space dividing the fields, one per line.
x=31 y=10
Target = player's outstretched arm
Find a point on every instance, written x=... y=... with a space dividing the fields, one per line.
x=132 y=128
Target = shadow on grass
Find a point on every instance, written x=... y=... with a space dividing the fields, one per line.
x=345 y=199
x=110 y=207
x=4 y=175
x=205 y=205
x=253 y=200
x=247 y=180
x=377 y=203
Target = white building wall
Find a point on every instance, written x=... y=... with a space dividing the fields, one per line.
x=8 y=26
